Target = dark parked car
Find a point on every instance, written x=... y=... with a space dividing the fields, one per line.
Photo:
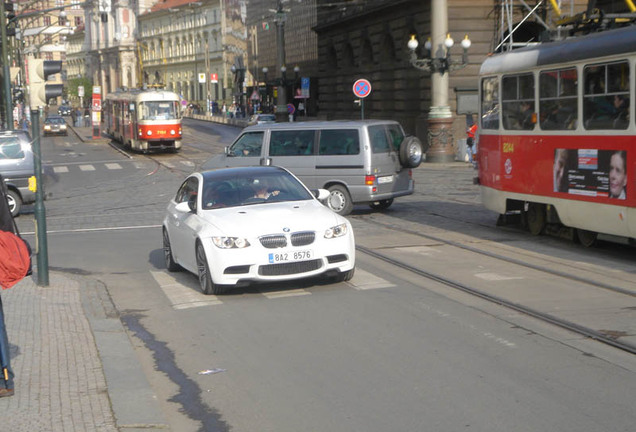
x=17 y=168
x=55 y=125
x=64 y=110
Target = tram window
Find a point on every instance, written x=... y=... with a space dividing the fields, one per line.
x=558 y=99
x=490 y=103
x=518 y=111
x=606 y=96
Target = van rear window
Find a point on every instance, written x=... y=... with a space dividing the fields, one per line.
x=10 y=148
x=339 y=142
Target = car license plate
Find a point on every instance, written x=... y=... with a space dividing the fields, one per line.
x=291 y=256
x=385 y=179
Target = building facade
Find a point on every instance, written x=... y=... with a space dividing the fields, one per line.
x=191 y=46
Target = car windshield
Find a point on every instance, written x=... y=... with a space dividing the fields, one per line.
x=267 y=117
x=163 y=110
x=55 y=120
x=234 y=190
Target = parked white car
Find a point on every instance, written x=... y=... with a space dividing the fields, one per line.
x=238 y=225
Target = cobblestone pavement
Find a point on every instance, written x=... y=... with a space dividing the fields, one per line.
x=59 y=384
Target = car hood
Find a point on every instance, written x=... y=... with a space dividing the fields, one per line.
x=260 y=219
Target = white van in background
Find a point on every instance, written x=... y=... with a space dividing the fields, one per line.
x=359 y=162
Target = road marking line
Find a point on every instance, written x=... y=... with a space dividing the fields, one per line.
x=181 y=296
x=87 y=167
x=60 y=169
x=363 y=280
x=168 y=164
x=496 y=277
x=113 y=166
x=188 y=163
x=287 y=293
x=422 y=250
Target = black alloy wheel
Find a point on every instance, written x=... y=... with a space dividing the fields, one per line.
x=208 y=287
x=171 y=265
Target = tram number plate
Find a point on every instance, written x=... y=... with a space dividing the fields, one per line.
x=282 y=257
x=385 y=179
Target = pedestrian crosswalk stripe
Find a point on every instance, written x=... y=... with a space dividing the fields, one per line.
x=187 y=163
x=60 y=169
x=180 y=295
x=87 y=167
x=285 y=293
x=364 y=280
x=113 y=166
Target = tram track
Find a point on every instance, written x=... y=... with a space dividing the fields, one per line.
x=611 y=338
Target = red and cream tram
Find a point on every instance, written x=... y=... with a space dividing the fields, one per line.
x=144 y=120
x=557 y=135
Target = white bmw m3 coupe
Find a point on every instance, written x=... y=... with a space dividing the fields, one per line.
x=238 y=225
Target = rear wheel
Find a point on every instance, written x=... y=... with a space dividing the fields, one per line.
x=339 y=200
x=15 y=202
x=205 y=279
x=586 y=238
x=535 y=217
x=382 y=204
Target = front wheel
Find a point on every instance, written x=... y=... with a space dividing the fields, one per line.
x=171 y=265
x=339 y=200
x=205 y=279
x=14 y=201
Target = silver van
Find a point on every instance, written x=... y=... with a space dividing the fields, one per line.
x=359 y=162
x=17 y=168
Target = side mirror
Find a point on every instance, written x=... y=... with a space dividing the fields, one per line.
x=183 y=207
x=321 y=194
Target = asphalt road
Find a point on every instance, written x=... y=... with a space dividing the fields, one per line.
x=388 y=351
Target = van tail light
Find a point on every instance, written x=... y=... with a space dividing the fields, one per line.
x=410 y=173
x=369 y=180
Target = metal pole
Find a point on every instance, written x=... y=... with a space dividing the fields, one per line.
x=5 y=68
x=41 y=247
x=281 y=103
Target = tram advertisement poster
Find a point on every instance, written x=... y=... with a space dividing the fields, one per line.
x=590 y=172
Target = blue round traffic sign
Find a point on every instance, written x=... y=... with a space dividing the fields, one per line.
x=362 y=88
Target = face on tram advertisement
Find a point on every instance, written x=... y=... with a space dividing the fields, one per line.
x=590 y=172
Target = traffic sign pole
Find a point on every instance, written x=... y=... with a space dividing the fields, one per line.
x=362 y=89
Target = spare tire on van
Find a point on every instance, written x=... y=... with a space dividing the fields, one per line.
x=411 y=152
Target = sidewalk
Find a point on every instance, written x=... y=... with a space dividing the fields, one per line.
x=75 y=368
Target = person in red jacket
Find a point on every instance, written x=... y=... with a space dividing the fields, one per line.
x=470 y=141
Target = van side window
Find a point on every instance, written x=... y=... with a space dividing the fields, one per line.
x=379 y=139
x=397 y=136
x=248 y=144
x=10 y=148
x=339 y=142
x=292 y=143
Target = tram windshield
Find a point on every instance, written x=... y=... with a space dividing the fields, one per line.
x=158 y=110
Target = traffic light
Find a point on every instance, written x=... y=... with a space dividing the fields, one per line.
x=9 y=10
x=39 y=91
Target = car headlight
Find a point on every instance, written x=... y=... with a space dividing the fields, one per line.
x=230 y=242
x=336 y=231
x=63 y=127
x=47 y=127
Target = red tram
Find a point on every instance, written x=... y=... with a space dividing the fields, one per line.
x=144 y=120
x=557 y=135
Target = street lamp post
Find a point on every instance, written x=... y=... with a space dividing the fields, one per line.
x=281 y=102
x=438 y=63
x=239 y=78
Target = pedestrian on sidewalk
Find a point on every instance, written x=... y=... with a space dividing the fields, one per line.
x=14 y=265
x=87 y=117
